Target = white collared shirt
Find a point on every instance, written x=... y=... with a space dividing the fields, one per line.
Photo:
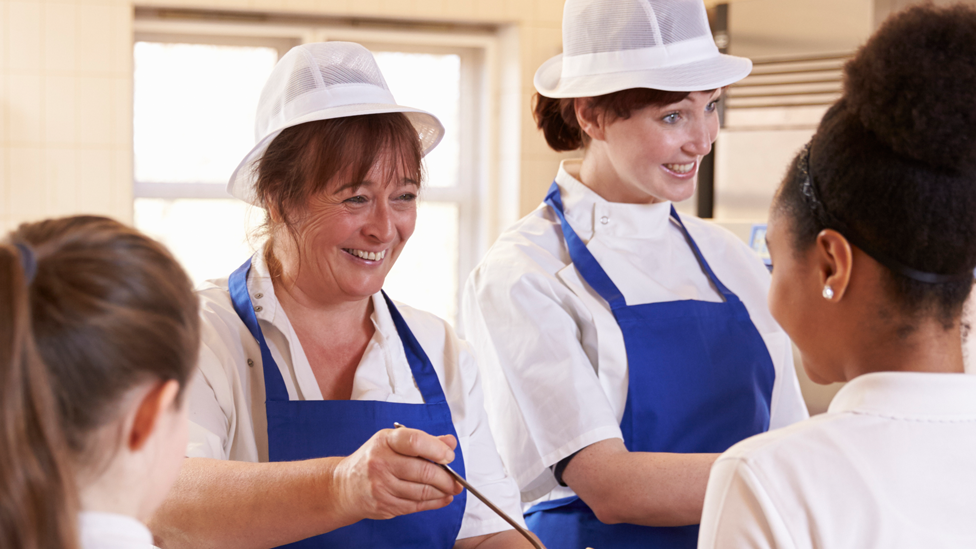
x=228 y=419
x=890 y=465
x=553 y=358
x=112 y=531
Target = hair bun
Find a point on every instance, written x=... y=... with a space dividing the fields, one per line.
x=913 y=84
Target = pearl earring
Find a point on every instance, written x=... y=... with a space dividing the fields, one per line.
x=828 y=292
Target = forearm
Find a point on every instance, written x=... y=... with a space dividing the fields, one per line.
x=241 y=505
x=652 y=489
x=508 y=539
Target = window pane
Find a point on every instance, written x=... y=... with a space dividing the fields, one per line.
x=207 y=236
x=426 y=273
x=432 y=83
x=194 y=109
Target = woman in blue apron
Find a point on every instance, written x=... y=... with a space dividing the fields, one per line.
x=624 y=345
x=307 y=365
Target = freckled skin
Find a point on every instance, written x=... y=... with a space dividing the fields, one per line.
x=625 y=161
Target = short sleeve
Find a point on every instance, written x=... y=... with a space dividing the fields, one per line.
x=738 y=513
x=209 y=426
x=544 y=396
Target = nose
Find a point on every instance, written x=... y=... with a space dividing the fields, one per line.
x=380 y=223
x=702 y=135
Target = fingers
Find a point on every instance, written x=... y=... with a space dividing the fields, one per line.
x=449 y=440
x=414 y=443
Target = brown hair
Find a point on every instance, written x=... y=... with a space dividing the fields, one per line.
x=557 y=117
x=108 y=309
x=302 y=160
x=33 y=464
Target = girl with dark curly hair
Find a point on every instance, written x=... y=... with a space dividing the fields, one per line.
x=873 y=242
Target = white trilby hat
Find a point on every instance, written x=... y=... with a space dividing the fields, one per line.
x=318 y=82
x=613 y=45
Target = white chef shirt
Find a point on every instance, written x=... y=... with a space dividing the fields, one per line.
x=228 y=419
x=553 y=358
x=112 y=531
x=890 y=465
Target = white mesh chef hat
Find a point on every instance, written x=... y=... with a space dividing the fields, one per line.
x=613 y=45
x=322 y=81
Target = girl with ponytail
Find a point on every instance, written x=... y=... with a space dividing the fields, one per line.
x=873 y=243
x=100 y=333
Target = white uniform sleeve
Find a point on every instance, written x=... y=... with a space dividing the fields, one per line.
x=458 y=372
x=544 y=398
x=738 y=512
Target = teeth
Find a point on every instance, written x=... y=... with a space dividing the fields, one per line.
x=370 y=256
x=680 y=168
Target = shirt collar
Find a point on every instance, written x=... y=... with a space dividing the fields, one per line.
x=590 y=214
x=112 y=530
x=261 y=289
x=909 y=395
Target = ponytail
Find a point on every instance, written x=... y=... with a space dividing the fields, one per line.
x=38 y=501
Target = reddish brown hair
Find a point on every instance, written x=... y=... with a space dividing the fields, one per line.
x=557 y=117
x=302 y=160
x=108 y=309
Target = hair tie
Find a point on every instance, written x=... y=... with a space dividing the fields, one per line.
x=27 y=261
x=829 y=221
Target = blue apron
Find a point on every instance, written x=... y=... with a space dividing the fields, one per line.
x=306 y=429
x=700 y=381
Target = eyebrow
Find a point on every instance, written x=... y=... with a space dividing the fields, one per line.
x=355 y=185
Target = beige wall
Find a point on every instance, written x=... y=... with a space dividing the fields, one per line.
x=66 y=80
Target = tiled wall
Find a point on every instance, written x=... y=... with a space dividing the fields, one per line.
x=65 y=121
x=66 y=81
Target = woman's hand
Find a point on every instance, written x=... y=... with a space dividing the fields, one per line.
x=392 y=475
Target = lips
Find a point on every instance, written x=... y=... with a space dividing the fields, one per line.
x=368 y=256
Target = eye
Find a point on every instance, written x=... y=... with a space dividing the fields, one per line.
x=407 y=197
x=670 y=118
x=358 y=199
x=711 y=106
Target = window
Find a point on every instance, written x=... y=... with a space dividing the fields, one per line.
x=195 y=96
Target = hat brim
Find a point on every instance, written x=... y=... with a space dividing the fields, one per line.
x=243 y=181
x=706 y=74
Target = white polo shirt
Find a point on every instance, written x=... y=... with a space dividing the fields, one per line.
x=892 y=464
x=553 y=358
x=228 y=419
x=112 y=531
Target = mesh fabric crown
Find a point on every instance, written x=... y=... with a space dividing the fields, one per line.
x=319 y=82
x=613 y=45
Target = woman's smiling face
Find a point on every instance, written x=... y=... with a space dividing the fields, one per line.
x=656 y=152
x=350 y=234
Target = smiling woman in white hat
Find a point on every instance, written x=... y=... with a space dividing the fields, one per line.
x=623 y=346
x=306 y=365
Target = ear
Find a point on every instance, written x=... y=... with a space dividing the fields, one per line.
x=835 y=261
x=152 y=406
x=590 y=120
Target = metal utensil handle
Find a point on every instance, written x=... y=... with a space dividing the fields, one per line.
x=460 y=480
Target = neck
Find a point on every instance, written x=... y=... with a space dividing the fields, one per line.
x=928 y=348
x=116 y=491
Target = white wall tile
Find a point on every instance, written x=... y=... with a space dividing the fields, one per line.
x=24 y=108
x=61 y=180
x=4 y=189
x=4 y=36
x=23 y=33
x=95 y=182
x=27 y=188
x=60 y=37
x=4 y=107
x=60 y=110
x=122 y=184
x=122 y=112
x=121 y=39
x=96 y=110
x=95 y=38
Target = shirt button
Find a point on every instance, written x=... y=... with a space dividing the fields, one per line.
x=258 y=296
x=250 y=362
x=604 y=220
x=258 y=309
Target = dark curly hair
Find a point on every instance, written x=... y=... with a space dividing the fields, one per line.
x=895 y=158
